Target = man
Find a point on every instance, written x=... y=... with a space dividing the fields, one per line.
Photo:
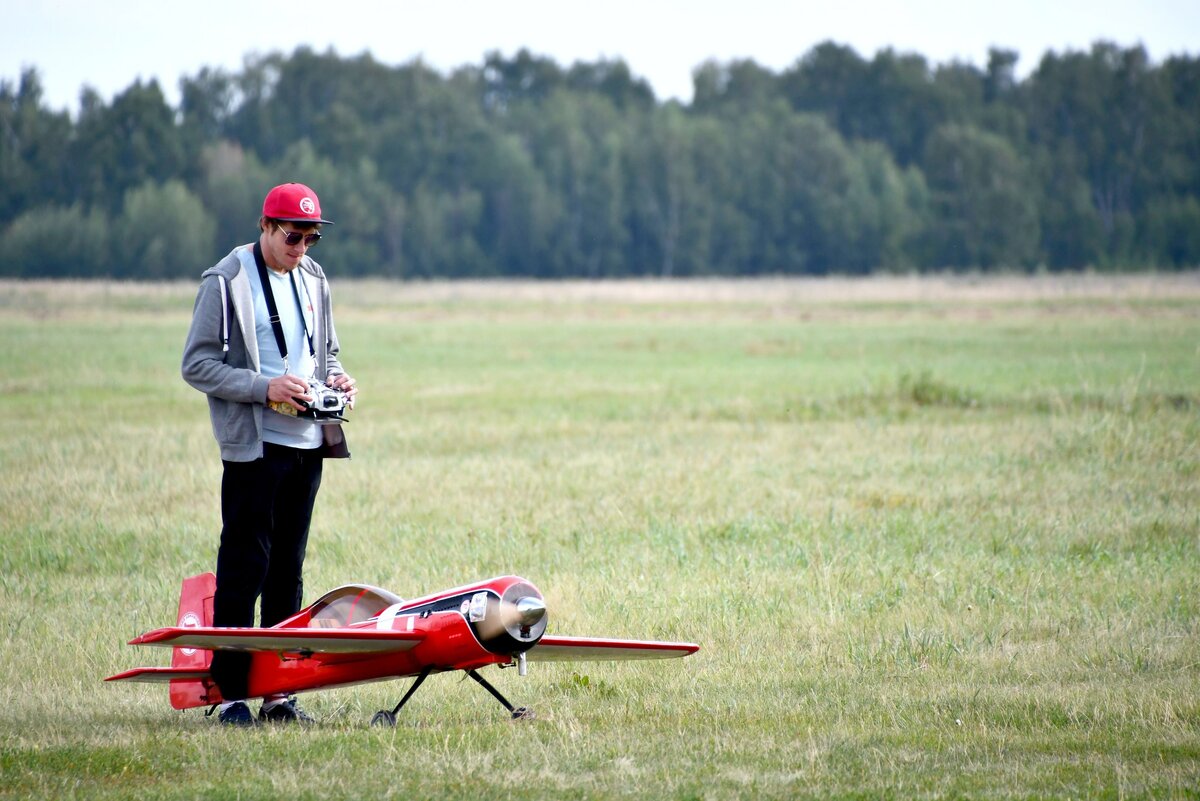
x=261 y=327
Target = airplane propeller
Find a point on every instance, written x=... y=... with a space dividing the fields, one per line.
x=530 y=610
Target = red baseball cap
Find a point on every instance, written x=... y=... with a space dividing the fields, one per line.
x=293 y=203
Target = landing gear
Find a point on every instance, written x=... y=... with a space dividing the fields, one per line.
x=385 y=718
x=518 y=713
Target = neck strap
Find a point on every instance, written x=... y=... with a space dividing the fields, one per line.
x=273 y=310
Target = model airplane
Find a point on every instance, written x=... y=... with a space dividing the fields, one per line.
x=358 y=633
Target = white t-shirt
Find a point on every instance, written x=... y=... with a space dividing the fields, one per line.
x=284 y=429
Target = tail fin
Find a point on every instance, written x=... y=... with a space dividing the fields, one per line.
x=195 y=609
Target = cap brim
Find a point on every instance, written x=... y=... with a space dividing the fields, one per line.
x=303 y=220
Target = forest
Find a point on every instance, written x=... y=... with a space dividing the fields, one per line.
x=519 y=166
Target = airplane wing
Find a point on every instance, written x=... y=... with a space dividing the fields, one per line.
x=597 y=649
x=157 y=674
x=326 y=641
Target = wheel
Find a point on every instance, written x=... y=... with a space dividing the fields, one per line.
x=523 y=713
x=383 y=718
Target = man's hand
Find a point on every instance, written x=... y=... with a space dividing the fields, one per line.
x=346 y=384
x=286 y=388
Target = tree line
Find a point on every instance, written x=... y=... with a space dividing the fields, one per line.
x=521 y=167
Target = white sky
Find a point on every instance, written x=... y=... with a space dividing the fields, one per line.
x=108 y=45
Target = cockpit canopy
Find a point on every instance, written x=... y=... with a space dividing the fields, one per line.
x=352 y=603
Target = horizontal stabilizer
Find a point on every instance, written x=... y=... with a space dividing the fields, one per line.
x=596 y=649
x=159 y=674
x=323 y=641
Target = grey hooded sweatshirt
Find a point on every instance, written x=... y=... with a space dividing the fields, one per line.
x=220 y=356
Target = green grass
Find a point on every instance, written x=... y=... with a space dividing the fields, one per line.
x=931 y=547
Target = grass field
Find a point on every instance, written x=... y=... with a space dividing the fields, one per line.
x=937 y=538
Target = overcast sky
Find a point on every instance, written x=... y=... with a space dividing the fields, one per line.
x=108 y=45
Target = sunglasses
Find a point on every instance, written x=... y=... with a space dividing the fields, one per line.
x=292 y=238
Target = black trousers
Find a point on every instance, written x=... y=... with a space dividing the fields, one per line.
x=266 y=508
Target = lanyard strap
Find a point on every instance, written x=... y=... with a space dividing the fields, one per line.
x=273 y=310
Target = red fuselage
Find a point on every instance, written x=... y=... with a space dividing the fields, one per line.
x=465 y=628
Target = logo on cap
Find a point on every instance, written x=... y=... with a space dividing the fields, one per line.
x=307 y=206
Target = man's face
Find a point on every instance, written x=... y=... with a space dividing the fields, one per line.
x=277 y=252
